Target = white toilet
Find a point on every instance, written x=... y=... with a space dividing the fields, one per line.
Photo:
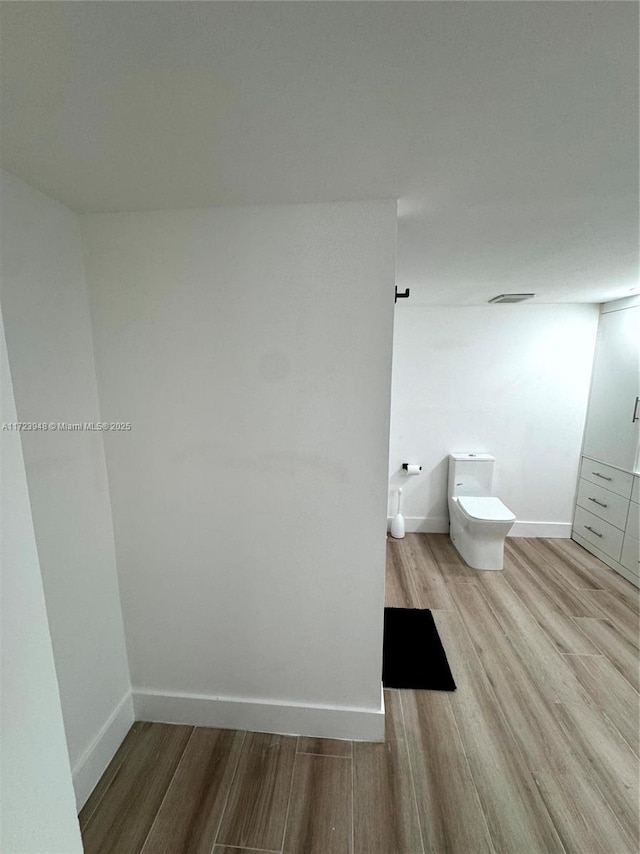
x=479 y=522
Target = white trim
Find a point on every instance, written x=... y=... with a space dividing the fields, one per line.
x=357 y=724
x=93 y=762
x=440 y=525
x=554 y=530
x=423 y=524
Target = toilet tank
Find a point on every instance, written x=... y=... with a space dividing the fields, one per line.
x=470 y=474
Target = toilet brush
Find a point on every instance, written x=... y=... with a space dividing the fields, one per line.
x=397 y=523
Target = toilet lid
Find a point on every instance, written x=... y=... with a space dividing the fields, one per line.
x=488 y=509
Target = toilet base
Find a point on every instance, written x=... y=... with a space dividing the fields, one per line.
x=487 y=555
x=482 y=545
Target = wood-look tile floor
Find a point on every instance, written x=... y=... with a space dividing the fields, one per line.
x=536 y=751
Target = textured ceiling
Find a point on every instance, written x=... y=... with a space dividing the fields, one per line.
x=508 y=131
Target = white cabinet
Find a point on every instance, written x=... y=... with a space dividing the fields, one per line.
x=630 y=558
x=607 y=508
x=606 y=519
x=611 y=434
x=605 y=537
x=600 y=474
x=603 y=503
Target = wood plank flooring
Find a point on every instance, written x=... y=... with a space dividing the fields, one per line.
x=536 y=752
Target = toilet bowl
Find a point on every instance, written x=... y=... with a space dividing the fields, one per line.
x=479 y=522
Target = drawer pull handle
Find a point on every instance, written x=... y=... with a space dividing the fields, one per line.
x=599 y=503
x=603 y=476
x=589 y=528
x=635 y=416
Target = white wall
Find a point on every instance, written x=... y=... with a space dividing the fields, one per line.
x=250 y=348
x=48 y=329
x=510 y=380
x=38 y=808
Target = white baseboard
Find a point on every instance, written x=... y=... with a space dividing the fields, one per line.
x=440 y=525
x=553 y=530
x=261 y=716
x=423 y=524
x=93 y=762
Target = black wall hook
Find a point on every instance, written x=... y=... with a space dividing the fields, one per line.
x=405 y=295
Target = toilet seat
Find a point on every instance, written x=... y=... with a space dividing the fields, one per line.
x=485 y=508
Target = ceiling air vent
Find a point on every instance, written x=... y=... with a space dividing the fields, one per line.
x=512 y=298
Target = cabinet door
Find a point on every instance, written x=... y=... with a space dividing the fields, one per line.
x=610 y=433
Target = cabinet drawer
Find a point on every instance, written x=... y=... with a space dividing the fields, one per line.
x=633 y=521
x=630 y=557
x=598 y=532
x=612 y=479
x=603 y=503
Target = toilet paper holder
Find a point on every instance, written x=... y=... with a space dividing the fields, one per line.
x=414 y=467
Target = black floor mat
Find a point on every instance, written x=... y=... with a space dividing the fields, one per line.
x=413 y=655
